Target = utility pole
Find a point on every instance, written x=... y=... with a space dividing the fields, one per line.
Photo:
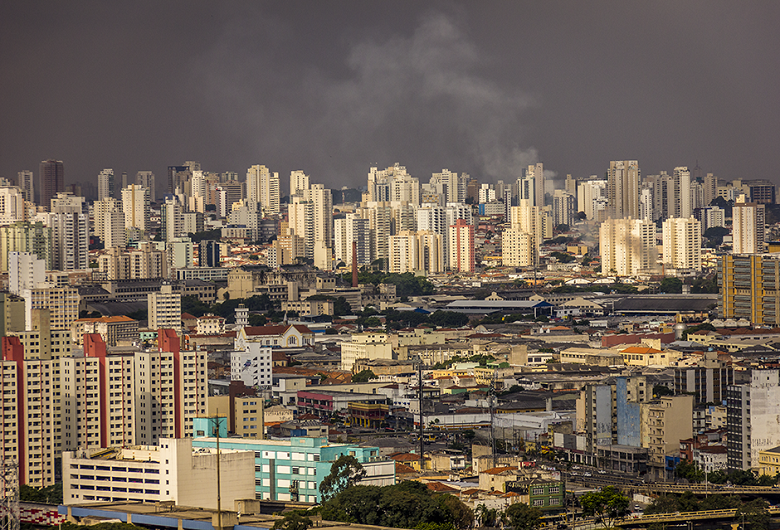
x=219 y=489
x=422 y=421
x=491 y=401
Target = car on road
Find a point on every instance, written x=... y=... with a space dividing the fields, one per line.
x=587 y=474
x=602 y=472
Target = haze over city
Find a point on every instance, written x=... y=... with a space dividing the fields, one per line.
x=334 y=88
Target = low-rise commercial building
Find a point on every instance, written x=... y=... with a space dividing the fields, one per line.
x=171 y=471
x=291 y=470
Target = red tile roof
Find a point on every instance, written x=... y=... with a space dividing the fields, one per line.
x=438 y=486
x=403 y=469
x=499 y=470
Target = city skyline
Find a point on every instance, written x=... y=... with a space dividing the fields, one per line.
x=485 y=91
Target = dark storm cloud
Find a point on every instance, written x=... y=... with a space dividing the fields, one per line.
x=402 y=97
x=334 y=87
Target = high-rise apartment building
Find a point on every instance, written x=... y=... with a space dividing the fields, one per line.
x=171 y=389
x=27 y=184
x=209 y=253
x=707 y=381
x=164 y=308
x=322 y=211
x=142 y=263
x=664 y=202
x=564 y=204
x=300 y=213
x=171 y=220
x=453 y=186
x=750 y=288
x=146 y=179
x=535 y=173
x=752 y=424
x=682 y=199
x=748 y=226
x=529 y=219
x=628 y=247
x=61 y=302
x=110 y=222
x=135 y=204
x=299 y=183
x=177 y=176
x=518 y=248
x=96 y=398
x=710 y=188
x=682 y=244
x=51 y=181
x=461 y=246
x=262 y=187
x=105 y=184
x=351 y=229
x=29 y=429
x=70 y=232
x=591 y=197
x=403 y=253
x=623 y=189
x=24 y=236
x=25 y=271
x=11 y=205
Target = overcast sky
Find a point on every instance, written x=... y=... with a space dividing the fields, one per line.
x=333 y=88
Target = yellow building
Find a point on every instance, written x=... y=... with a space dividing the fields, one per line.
x=750 y=288
x=769 y=462
x=646 y=356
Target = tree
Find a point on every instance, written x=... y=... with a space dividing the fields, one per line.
x=756 y=513
x=294 y=520
x=461 y=516
x=341 y=307
x=523 y=517
x=197 y=237
x=705 y=326
x=661 y=390
x=714 y=236
x=346 y=471
x=562 y=257
x=607 y=505
x=671 y=285
x=49 y=495
x=487 y=517
x=363 y=376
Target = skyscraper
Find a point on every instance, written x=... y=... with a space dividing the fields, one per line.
x=748 y=227
x=299 y=182
x=461 y=246
x=682 y=193
x=51 y=180
x=177 y=175
x=623 y=189
x=110 y=222
x=26 y=182
x=262 y=187
x=627 y=247
x=70 y=232
x=146 y=180
x=135 y=204
x=682 y=243
x=105 y=184
x=536 y=173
